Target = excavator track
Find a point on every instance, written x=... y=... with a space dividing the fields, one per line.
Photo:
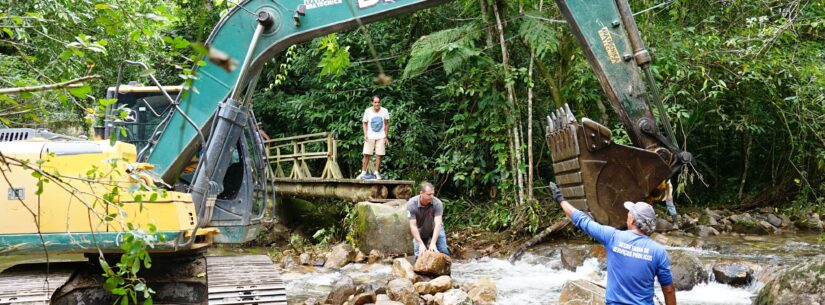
x=233 y=280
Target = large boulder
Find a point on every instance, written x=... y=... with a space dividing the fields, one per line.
x=483 y=292
x=401 y=268
x=687 y=270
x=581 y=292
x=800 y=284
x=341 y=255
x=433 y=263
x=733 y=273
x=572 y=258
x=402 y=291
x=382 y=227
x=341 y=290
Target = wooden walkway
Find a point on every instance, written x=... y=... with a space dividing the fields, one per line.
x=299 y=155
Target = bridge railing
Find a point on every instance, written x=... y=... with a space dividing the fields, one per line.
x=295 y=151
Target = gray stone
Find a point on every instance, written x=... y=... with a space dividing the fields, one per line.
x=341 y=255
x=581 y=292
x=704 y=231
x=687 y=270
x=774 y=221
x=733 y=273
x=401 y=290
x=289 y=261
x=800 y=284
x=767 y=228
x=342 y=289
x=572 y=258
x=305 y=259
x=382 y=227
x=663 y=225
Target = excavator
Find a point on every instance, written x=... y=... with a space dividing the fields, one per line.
x=198 y=147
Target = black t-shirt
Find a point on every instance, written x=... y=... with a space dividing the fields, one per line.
x=424 y=215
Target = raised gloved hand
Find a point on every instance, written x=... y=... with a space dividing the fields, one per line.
x=556 y=192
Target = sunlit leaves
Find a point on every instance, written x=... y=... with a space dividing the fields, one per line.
x=336 y=57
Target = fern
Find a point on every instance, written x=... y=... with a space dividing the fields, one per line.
x=538 y=35
x=428 y=49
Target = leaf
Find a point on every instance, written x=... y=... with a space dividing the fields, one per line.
x=81 y=91
x=8 y=31
x=102 y=6
x=427 y=50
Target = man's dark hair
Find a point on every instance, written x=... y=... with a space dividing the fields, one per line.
x=642 y=227
x=374 y=96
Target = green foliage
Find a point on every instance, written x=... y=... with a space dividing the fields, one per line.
x=336 y=58
x=123 y=280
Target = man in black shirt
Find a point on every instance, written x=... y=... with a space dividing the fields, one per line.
x=424 y=212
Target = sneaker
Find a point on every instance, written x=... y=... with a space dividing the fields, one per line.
x=369 y=176
x=362 y=175
x=377 y=176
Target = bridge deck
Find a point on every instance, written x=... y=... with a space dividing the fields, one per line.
x=347 y=189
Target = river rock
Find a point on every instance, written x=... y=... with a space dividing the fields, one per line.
x=786 y=222
x=310 y=301
x=401 y=268
x=401 y=290
x=810 y=223
x=382 y=227
x=708 y=219
x=433 y=263
x=581 y=292
x=453 y=297
x=733 y=273
x=289 y=261
x=359 y=256
x=745 y=224
x=663 y=225
x=767 y=228
x=363 y=298
x=439 y=284
x=687 y=270
x=704 y=231
x=341 y=255
x=341 y=290
x=572 y=258
x=374 y=257
x=773 y=220
x=803 y=283
x=305 y=259
x=483 y=292
x=387 y=302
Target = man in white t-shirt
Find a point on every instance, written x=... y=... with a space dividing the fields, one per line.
x=376 y=125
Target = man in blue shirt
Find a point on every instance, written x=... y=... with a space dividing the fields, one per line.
x=633 y=259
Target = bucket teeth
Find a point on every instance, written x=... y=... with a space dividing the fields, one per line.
x=559 y=119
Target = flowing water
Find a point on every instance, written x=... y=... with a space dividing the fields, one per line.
x=538 y=277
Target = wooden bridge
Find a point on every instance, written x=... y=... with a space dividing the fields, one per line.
x=300 y=155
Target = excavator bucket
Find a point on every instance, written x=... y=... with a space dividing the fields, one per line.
x=597 y=175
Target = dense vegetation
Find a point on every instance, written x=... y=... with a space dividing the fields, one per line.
x=473 y=80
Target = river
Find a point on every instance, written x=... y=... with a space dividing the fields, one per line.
x=538 y=277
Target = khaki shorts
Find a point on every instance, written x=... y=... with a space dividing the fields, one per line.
x=376 y=145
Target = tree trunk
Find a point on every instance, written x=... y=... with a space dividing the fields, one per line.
x=747 y=163
x=513 y=112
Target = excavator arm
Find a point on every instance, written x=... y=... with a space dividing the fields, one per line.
x=250 y=34
x=594 y=173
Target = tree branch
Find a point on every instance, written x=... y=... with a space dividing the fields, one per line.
x=65 y=84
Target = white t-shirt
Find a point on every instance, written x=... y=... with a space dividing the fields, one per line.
x=375 y=122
